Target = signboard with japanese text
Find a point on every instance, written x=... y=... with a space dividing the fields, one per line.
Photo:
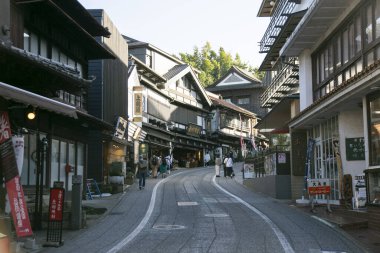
x=193 y=130
x=12 y=179
x=138 y=104
x=121 y=127
x=56 y=204
x=355 y=149
x=318 y=186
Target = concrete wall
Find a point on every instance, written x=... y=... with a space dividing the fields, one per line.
x=351 y=126
x=162 y=64
x=297 y=187
x=275 y=186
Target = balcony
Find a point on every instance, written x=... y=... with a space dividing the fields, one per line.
x=283 y=22
x=283 y=84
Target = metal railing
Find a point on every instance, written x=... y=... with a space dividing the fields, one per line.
x=284 y=83
x=281 y=14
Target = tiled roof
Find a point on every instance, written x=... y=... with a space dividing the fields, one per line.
x=175 y=71
x=221 y=102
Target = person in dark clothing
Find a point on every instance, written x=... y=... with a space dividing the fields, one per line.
x=142 y=170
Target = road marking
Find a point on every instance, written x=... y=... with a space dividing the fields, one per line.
x=324 y=222
x=168 y=227
x=280 y=236
x=188 y=203
x=144 y=221
x=216 y=215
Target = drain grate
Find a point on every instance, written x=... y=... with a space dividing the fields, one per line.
x=168 y=227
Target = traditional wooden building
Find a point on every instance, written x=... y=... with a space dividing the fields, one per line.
x=45 y=47
x=330 y=51
x=241 y=88
x=232 y=127
x=177 y=113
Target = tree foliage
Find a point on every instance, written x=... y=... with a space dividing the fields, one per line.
x=213 y=65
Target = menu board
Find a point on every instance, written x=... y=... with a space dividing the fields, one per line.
x=355 y=149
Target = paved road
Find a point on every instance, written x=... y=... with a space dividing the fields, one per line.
x=192 y=211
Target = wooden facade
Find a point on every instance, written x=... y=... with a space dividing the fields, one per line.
x=43 y=68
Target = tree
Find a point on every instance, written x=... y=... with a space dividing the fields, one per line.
x=214 y=65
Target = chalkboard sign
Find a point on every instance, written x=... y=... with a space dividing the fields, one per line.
x=355 y=149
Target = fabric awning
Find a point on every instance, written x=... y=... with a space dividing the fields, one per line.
x=34 y=100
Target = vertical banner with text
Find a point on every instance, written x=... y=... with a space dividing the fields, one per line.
x=12 y=179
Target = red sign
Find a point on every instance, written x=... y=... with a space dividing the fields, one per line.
x=18 y=206
x=318 y=186
x=12 y=179
x=56 y=204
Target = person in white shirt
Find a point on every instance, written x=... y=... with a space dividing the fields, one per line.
x=207 y=159
x=229 y=163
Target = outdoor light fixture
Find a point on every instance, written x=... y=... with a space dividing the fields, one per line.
x=31 y=114
x=272 y=3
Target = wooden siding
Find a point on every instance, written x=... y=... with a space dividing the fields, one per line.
x=95 y=153
x=95 y=93
x=17 y=26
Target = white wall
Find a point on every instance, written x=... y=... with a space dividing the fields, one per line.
x=351 y=126
x=305 y=79
x=162 y=64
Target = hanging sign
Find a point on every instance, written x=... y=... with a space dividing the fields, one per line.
x=12 y=179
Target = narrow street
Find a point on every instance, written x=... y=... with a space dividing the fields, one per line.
x=193 y=211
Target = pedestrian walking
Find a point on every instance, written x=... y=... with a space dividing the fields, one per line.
x=225 y=166
x=168 y=162
x=207 y=158
x=218 y=163
x=163 y=168
x=229 y=166
x=154 y=163
x=142 y=167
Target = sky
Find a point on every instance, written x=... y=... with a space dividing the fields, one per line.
x=177 y=26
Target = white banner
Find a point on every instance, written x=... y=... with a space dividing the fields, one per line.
x=18 y=146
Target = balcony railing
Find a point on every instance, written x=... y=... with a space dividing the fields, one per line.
x=286 y=82
x=283 y=10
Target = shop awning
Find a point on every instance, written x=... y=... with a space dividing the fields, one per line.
x=37 y=101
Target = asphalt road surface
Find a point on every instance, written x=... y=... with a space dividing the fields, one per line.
x=194 y=211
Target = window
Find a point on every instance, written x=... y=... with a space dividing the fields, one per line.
x=349 y=50
x=228 y=100
x=368 y=24
x=243 y=101
x=377 y=18
x=374 y=130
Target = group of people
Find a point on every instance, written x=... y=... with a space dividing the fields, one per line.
x=163 y=166
x=227 y=164
x=157 y=164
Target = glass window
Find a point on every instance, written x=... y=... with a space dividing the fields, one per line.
x=358 y=34
x=44 y=48
x=359 y=65
x=55 y=54
x=368 y=25
x=377 y=18
x=338 y=53
x=321 y=67
x=374 y=107
x=80 y=158
x=351 y=33
x=330 y=59
x=228 y=100
x=345 y=46
x=243 y=101
x=370 y=58
x=26 y=40
x=34 y=43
